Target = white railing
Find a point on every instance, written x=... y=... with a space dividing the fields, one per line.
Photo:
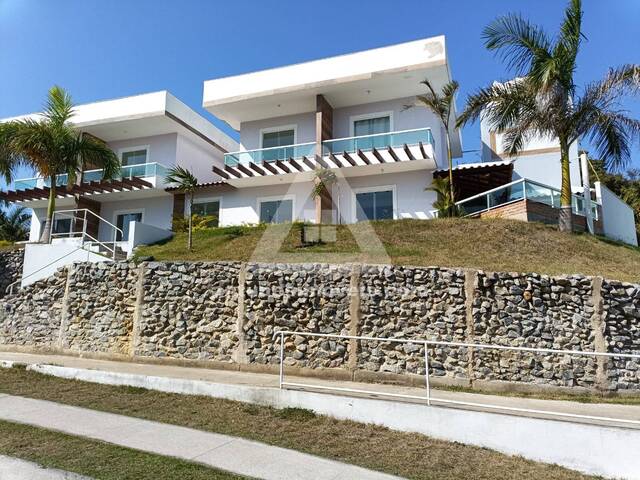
x=81 y=216
x=428 y=397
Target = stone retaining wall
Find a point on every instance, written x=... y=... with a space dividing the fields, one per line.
x=229 y=311
x=11 y=262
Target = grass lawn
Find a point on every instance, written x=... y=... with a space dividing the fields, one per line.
x=96 y=459
x=408 y=455
x=492 y=244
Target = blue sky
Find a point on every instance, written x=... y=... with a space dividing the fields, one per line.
x=100 y=49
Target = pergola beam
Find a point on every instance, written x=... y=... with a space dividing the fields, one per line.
x=378 y=156
x=363 y=157
x=407 y=150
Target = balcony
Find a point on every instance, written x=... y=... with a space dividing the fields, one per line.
x=272 y=154
x=527 y=200
x=370 y=154
x=379 y=141
x=145 y=170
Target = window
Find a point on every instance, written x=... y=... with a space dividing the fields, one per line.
x=122 y=222
x=62 y=225
x=280 y=138
x=374 y=205
x=134 y=157
x=372 y=126
x=207 y=209
x=276 y=211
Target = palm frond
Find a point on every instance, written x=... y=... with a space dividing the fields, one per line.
x=183 y=178
x=517 y=41
x=59 y=106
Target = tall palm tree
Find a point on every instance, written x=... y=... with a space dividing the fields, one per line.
x=186 y=182
x=51 y=146
x=545 y=102
x=14 y=224
x=443 y=106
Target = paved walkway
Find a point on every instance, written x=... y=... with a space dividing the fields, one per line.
x=16 y=469
x=269 y=381
x=224 y=452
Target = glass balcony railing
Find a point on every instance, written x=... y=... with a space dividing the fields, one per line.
x=523 y=189
x=270 y=154
x=127 y=171
x=378 y=141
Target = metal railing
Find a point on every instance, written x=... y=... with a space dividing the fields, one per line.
x=522 y=189
x=378 y=141
x=428 y=397
x=270 y=154
x=77 y=228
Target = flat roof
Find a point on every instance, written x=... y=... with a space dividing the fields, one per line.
x=363 y=77
x=145 y=115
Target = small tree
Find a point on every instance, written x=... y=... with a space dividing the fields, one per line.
x=51 y=146
x=14 y=224
x=187 y=183
x=443 y=105
x=444 y=205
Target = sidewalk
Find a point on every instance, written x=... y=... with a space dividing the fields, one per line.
x=268 y=383
x=224 y=452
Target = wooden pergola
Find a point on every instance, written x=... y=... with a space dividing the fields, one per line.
x=101 y=186
x=472 y=179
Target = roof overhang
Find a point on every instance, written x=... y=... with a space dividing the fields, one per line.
x=146 y=115
x=369 y=76
x=474 y=178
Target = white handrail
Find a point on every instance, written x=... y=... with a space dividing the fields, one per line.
x=92 y=213
x=429 y=398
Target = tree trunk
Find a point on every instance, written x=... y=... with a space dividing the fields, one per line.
x=565 y=217
x=189 y=237
x=451 y=187
x=46 y=230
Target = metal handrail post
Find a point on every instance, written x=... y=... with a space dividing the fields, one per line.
x=84 y=226
x=281 y=359
x=426 y=372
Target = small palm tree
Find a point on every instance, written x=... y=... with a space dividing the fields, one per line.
x=14 y=224
x=544 y=101
x=51 y=146
x=187 y=183
x=444 y=205
x=443 y=106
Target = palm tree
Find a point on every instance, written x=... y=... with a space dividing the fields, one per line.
x=187 y=183
x=14 y=224
x=51 y=146
x=545 y=102
x=443 y=106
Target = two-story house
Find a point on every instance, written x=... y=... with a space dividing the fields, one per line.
x=352 y=114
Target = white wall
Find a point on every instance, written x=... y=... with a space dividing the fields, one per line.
x=250 y=137
x=617 y=217
x=198 y=159
x=410 y=197
x=143 y=234
x=156 y=212
x=162 y=148
x=42 y=260
x=241 y=206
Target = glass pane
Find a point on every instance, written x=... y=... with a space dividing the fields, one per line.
x=62 y=225
x=538 y=193
x=206 y=209
x=371 y=126
x=278 y=139
x=506 y=195
x=384 y=205
x=134 y=157
x=278 y=211
x=365 y=206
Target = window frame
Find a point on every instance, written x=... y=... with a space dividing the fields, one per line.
x=123 y=150
x=368 y=116
x=276 y=198
x=377 y=188
x=197 y=200
x=116 y=213
x=280 y=128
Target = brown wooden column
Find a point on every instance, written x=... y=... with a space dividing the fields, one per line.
x=324 y=131
x=93 y=223
x=178 y=205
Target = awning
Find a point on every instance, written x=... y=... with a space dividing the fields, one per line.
x=474 y=178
